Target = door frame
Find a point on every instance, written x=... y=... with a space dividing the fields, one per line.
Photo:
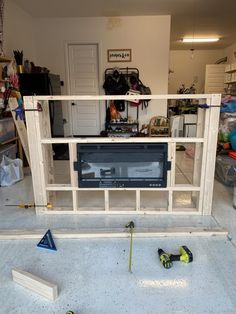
x=67 y=110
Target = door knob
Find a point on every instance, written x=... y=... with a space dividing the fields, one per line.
x=73 y=104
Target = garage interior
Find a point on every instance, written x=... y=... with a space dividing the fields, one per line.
x=121 y=139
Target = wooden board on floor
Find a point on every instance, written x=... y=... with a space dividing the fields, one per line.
x=111 y=233
x=35 y=284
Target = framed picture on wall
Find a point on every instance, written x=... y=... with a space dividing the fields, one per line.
x=119 y=55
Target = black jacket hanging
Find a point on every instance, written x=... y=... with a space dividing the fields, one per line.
x=116 y=84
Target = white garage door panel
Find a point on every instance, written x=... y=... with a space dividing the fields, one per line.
x=87 y=109
x=86 y=69
x=83 y=80
x=83 y=52
x=88 y=123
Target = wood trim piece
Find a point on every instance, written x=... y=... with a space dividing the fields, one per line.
x=138 y=200
x=64 y=187
x=111 y=233
x=106 y=200
x=35 y=284
x=210 y=159
x=36 y=153
x=73 y=174
x=122 y=97
x=124 y=211
x=91 y=140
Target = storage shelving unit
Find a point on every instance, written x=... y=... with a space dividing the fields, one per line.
x=75 y=200
x=230 y=74
x=8 y=137
x=111 y=127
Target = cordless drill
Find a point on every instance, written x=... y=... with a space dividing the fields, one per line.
x=185 y=256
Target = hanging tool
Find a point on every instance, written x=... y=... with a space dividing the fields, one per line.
x=19 y=111
x=130 y=225
x=49 y=205
x=185 y=256
x=205 y=106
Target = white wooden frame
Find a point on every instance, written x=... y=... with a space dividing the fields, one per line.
x=38 y=128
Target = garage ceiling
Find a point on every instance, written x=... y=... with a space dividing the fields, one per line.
x=203 y=18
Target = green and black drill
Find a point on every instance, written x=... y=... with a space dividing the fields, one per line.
x=185 y=256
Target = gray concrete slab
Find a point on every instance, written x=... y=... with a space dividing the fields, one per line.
x=93 y=277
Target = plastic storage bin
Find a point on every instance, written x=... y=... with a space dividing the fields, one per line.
x=7 y=129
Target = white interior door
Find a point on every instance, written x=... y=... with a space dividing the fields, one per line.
x=83 y=80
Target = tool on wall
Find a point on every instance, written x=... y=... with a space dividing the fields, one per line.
x=130 y=225
x=47 y=242
x=205 y=106
x=166 y=259
x=19 y=111
x=48 y=205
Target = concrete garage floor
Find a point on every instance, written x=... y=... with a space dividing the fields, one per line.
x=92 y=275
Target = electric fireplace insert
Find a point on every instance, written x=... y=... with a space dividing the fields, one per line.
x=117 y=165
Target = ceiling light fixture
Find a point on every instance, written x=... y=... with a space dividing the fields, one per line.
x=200 y=40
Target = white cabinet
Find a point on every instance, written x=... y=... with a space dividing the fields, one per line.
x=215 y=79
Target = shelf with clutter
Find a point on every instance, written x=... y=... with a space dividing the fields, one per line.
x=119 y=120
x=230 y=73
x=9 y=140
x=159 y=126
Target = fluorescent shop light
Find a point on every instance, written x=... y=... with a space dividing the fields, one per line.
x=200 y=40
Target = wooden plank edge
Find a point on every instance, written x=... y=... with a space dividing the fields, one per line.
x=110 y=233
x=34 y=283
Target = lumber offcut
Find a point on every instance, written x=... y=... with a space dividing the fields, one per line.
x=35 y=284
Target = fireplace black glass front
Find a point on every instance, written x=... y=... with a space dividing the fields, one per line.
x=117 y=165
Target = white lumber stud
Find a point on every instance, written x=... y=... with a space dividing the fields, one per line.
x=35 y=284
x=211 y=155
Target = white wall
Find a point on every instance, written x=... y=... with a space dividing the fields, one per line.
x=18 y=31
x=147 y=36
x=188 y=70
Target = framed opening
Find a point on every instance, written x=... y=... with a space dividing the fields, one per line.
x=185 y=201
x=90 y=200
x=122 y=200
x=56 y=163
x=153 y=200
x=188 y=163
x=60 y=200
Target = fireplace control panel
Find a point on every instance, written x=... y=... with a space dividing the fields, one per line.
x=117 y=184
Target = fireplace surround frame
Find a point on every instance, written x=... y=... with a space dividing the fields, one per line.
x=41 y=155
